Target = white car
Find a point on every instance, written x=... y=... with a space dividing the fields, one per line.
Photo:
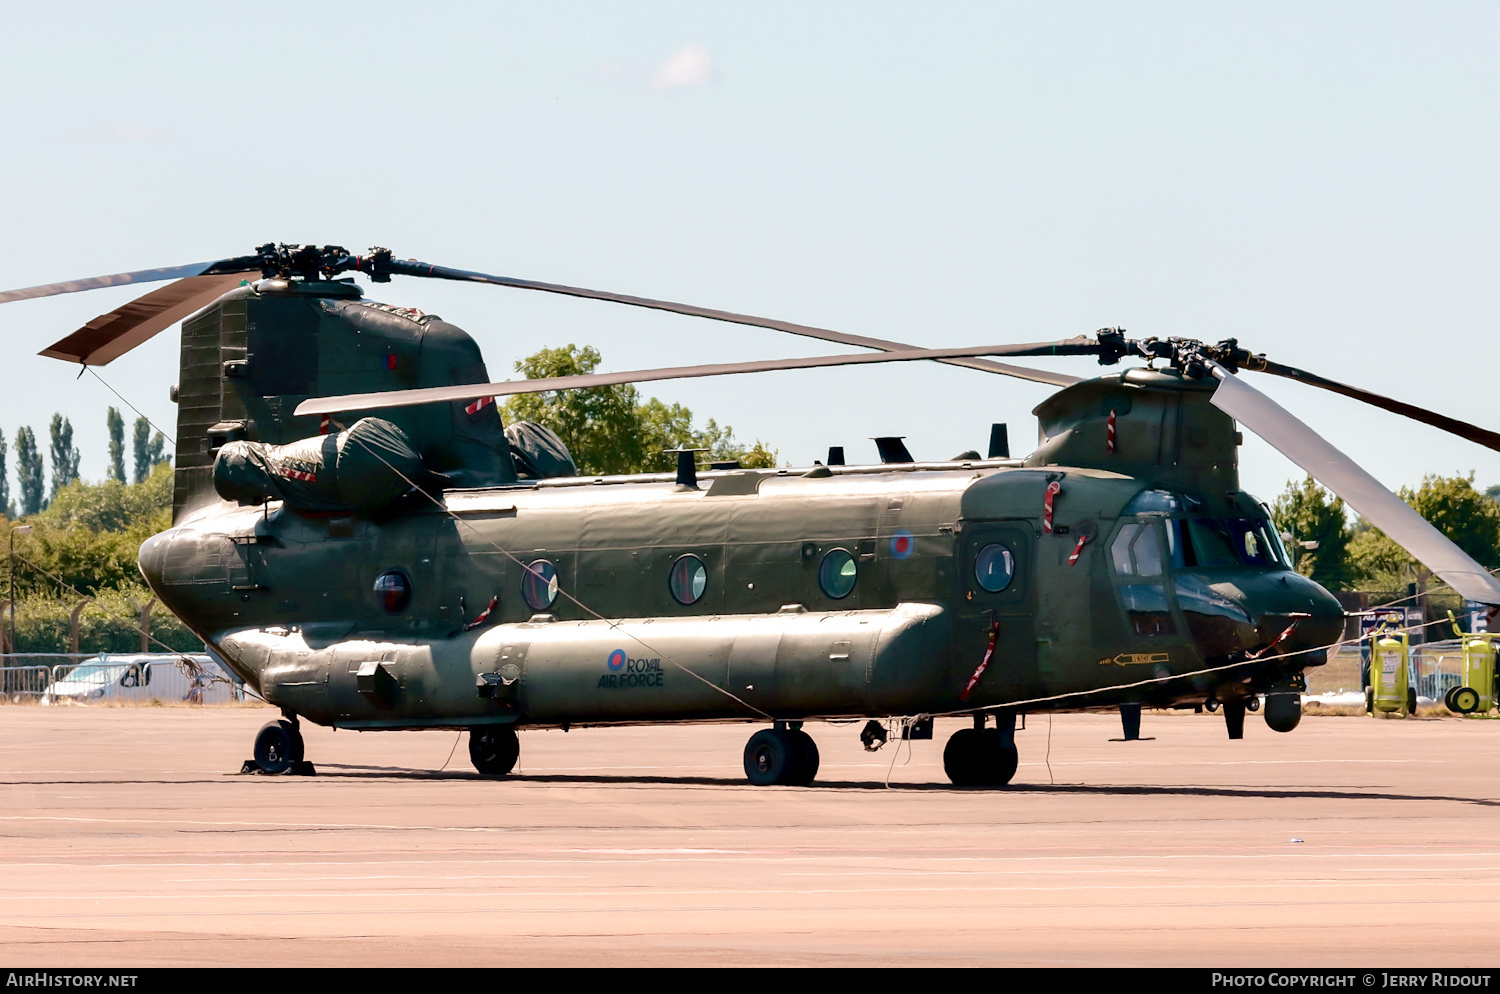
x=143 y=677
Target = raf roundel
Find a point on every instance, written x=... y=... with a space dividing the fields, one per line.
x=617 y=660
x=902 y=544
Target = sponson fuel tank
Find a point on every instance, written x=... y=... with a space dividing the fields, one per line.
x=539 y=673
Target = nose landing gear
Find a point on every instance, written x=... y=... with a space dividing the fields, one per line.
x=278 y=749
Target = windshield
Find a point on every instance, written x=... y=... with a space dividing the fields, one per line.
x=1201 y=543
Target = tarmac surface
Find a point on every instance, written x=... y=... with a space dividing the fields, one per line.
x=127 y=839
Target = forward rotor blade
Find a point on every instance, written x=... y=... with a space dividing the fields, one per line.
x=246 y=264
x=411 y=267
x=475 y=391
x=111 y=335
x=1363 y=492
x=1485 y=437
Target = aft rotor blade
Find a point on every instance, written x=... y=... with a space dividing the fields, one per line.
x=241 y=265
x=475 y=391
x=109 y=336
x=1360 y=490
x=411 y=267
x=1474 y=433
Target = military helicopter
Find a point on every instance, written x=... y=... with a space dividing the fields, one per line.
x=358 y=536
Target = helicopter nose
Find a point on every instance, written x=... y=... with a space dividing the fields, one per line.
x=1290 y=607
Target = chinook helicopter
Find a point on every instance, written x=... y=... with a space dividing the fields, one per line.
x=358 y=536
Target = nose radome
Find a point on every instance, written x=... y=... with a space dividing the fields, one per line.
x=1282 y=597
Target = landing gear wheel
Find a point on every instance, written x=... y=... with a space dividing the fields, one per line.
x=1252 y=703
x=494 y=749
x=1465 y=700
x=807 y=759
x=976 y=757
x=278 y=747
x=774 y=756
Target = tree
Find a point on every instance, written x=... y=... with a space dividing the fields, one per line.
x=1454 y=507
x=140 y=449
x=5 y=505
x=1320 y=533
x=29 y=479
x=64 y=455
x=610 y=429
x=116 y=445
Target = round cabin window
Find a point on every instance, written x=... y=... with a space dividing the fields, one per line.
x=393 y=590
x=837 y=574
x=994 y=568
x=539 y=585
x=688 y=579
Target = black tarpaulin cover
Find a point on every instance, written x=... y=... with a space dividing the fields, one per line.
x=362 y=468
x=538 y=452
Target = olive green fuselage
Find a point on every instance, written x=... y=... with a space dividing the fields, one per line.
x=288 y=600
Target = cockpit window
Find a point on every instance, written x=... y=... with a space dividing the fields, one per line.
x=1137 y=550
x=1153 y=502
x=1206 y=543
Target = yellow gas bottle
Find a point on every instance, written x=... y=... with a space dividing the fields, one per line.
x=1477 y=693
x=1388 y=680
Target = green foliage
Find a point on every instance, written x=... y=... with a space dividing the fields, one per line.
x=110 y=623
x=5 y=506
x=29 y=472
x=90 y=534
x=141 y=449
x=116 y=445
x=64 y=456
x=1453 y=506
x=1307 y=513
x=611 y=430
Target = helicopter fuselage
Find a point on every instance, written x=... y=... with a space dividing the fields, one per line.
x=763 y=594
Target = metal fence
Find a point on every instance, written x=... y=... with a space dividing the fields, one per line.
x=1433 y=670
x=141 y=678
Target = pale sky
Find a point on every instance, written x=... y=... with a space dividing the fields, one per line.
x=1315 y=179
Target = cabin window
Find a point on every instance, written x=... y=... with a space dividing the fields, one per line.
x=994 y=568
x=837 y=574
x=393 y=590
x=688 y=579
x=539 y=585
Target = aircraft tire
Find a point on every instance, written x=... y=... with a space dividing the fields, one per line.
x=494 y=749
x=959 y=757
x=1448 y=699
x=806 y=767
x=278 y=747
x=996 y=763
x=772 y=757
x=1465 y=700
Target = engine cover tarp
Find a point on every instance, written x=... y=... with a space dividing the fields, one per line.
x=538 y=452
x=362 y=468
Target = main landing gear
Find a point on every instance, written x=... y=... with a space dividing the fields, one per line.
x=278 y=749
x=494 y=749
x=980 y=756
x=784 y=755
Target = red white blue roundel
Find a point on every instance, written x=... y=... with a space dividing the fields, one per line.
x=617 y=660
x=902 y=543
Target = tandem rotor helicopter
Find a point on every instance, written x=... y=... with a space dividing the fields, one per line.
x=358 y=536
